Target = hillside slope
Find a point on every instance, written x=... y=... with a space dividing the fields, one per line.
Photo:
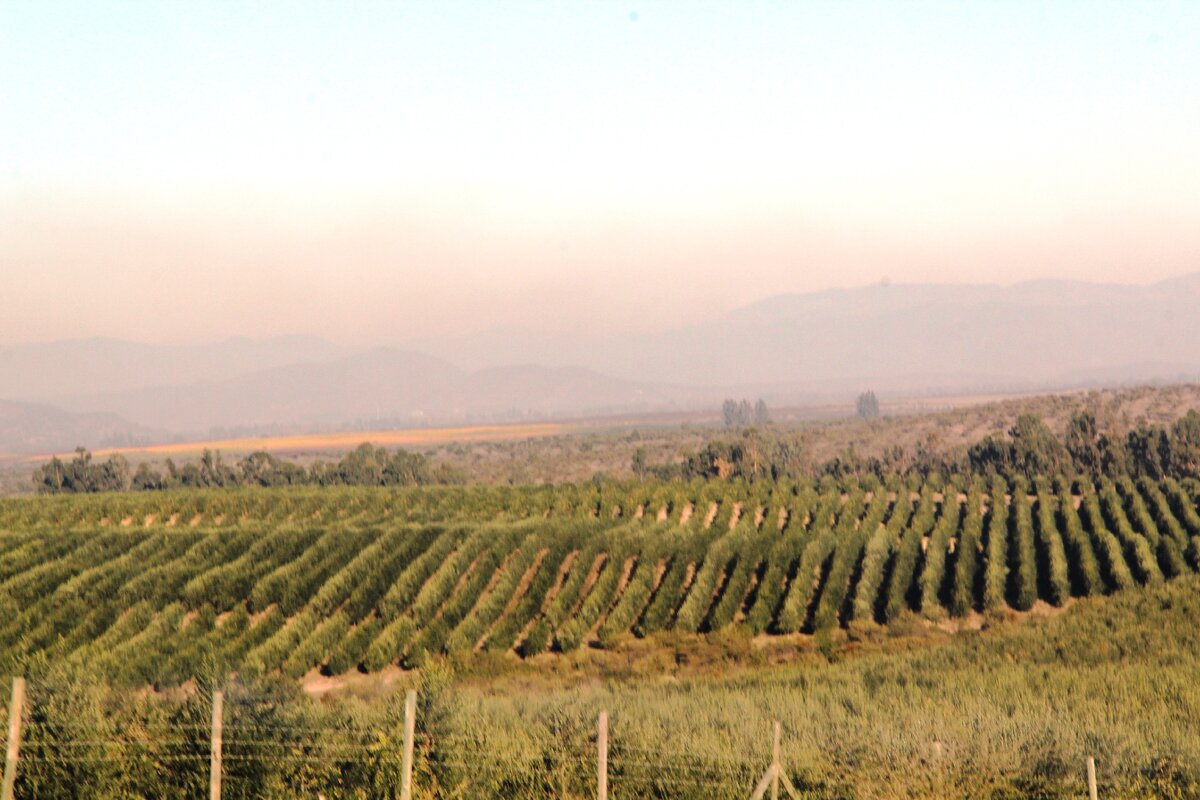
x=384 y=387
x=51 y=371
x=37 y=428
x=908 y=337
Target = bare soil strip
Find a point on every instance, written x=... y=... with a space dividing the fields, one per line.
x=689 y=576
x=517 y=595
x=496 y=575
x=660 y=571
x=564 y=571
x=626 y=575
x=458 y=585
x=751 y=592
x=589 y=582
x=714 y=597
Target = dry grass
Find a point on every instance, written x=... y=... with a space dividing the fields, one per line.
x=343 y=441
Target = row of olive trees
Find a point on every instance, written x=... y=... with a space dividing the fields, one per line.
x=366 y=465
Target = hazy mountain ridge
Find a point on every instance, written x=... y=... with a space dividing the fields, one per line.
x=396 y=387
x=796 y=348
x=1020 y=336
x=35 y=428
x=49 y=371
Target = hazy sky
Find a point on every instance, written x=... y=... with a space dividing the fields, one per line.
x=380 y=171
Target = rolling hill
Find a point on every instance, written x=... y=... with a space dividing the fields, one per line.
x=50 y=371
x=793 y=349
x=35 y=428
x=910 y=337
x=381 y=387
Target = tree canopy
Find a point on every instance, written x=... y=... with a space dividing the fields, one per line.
x=366 y=465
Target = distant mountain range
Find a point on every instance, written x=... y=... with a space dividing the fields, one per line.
x=817 y=347
x=910 y=336
x=377 y=387
x=52 y=370
x=35 y=428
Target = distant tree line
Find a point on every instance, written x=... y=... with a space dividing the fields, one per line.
x=1153 y=451
x=1026 y=450
x=740 y=413
x=366 y=465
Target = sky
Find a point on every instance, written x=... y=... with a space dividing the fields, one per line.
x=382 y=172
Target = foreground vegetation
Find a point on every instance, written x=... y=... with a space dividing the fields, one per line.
x=1026 y=450
x=1004 y=713
x=159 y=588
x=366 y=465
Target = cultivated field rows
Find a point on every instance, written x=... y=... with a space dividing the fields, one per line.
x=158 y=588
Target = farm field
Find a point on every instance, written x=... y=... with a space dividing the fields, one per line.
x=343 y=441
x=504 y=605
x=156 y=589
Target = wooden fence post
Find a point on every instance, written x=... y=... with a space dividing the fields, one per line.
x=775 y=776
x=602 y=757
x=776 y=768
x=15 y=710
x=410 y=725
x=1091 y=773
x=218 y=730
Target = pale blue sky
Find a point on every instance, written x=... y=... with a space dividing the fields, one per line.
x=378 y=171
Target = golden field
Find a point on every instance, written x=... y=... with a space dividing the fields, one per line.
x=342 y=440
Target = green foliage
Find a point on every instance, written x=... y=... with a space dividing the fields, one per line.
x=881 y=547
x=316 y=648
x=163 y=589
x=1017 y=709
x=783 y=558
x=81 y=474
x=901 y=584
x=597 y=601
x=716 y=561
x=366 y=465
x=847 y=554
x=1023 y=552
x=1054 y=554
x=933 y=573
x=1108 y=548
x=796 y=609
x=1081 y=557
x=1030 y=450
x=995 y=579
x=966 y=562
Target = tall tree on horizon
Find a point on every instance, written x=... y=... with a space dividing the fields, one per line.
x=868 y=405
